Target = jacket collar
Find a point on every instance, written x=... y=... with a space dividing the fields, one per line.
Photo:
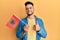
x=35 y=18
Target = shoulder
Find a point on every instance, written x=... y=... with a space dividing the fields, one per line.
x=39 y=19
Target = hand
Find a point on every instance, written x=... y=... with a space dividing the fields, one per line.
x=26 y=29
x=36 y=27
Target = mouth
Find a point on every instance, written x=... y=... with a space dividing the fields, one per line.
x=29 y=14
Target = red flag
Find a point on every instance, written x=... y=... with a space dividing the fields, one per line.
x=13 y=22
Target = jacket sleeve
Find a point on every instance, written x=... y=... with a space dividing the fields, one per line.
x=42 y=31
x=19 y=33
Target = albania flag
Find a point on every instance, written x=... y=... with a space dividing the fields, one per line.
x=13 y=22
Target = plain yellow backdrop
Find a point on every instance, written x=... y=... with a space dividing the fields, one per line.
x=48 y=10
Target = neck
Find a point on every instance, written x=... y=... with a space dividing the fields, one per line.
x=31 y=17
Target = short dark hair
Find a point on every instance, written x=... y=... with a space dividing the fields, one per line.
x=28 y=2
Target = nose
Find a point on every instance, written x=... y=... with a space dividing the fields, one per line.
x=29 y=9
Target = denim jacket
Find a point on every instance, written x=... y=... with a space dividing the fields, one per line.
x=39 y=34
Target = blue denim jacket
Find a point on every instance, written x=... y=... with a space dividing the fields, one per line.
x=39 y=34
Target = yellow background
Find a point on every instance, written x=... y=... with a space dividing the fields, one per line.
x=48 y=10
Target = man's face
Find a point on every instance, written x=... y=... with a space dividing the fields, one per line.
x=29 y=9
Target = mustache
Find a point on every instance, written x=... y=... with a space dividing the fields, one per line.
x=29 y=14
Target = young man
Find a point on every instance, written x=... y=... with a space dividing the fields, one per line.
x=31 y=27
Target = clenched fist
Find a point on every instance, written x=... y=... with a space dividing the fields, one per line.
x=26 y=29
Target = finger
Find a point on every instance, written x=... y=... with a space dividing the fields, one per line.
x=34 y=28
x=27 y=26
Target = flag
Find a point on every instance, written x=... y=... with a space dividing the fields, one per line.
x=13 y=22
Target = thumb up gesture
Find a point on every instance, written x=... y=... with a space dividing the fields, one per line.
x=36 y=27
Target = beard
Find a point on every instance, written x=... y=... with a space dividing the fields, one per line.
x=29 y=14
